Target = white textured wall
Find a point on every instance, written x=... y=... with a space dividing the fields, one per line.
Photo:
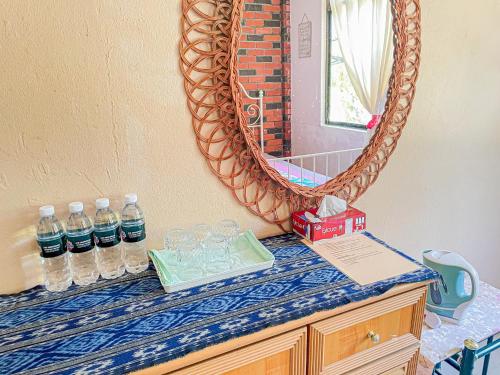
x=92 y=103
x=440 y=189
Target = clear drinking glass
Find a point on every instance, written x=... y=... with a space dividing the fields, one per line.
x=174 y=238
x=201 y=233
x=187 y=250
x=189 y=262
x=218 y=259
x=230 y=229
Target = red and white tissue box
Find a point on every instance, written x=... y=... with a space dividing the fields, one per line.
x=350 y=221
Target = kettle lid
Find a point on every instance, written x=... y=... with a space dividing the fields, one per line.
x=447 y=258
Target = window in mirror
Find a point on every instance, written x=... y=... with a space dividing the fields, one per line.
x=342 y=107
x=359 y=61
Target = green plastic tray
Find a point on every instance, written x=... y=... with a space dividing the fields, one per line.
x=252 y=256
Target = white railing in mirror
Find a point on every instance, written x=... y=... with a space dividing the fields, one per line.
x=309 y=170
x=255 y=111
x=312 y=170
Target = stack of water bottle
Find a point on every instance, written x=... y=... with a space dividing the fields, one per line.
x=86 y=250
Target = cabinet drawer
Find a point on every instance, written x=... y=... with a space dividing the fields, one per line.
x=354 y=339
x=398 y=363
x=281 y=355
x=347 y=341
x=400 y=370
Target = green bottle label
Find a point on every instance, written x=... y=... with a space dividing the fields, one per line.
x=133 y=231
x=80 y=242
x=52 y=246
x=108 y=236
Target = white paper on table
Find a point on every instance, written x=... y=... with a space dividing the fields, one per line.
x=362 y=259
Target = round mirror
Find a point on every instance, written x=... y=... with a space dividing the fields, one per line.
x=314 y=77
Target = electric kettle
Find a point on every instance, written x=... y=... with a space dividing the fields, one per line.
x=447 y=297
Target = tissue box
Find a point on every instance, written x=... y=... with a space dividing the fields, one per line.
x=350 y=221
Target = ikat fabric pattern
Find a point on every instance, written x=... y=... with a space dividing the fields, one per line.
x=130 y=323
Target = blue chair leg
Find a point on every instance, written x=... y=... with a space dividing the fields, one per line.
x=486 y=362
x=468 y=357
x=436 y=369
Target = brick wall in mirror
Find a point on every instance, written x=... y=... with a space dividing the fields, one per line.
x=264 y=65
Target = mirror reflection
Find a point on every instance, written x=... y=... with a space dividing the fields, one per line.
x=314 y=76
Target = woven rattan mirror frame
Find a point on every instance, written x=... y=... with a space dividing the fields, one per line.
x=208 y=59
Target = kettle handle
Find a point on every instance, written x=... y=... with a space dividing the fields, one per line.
x=474 y=278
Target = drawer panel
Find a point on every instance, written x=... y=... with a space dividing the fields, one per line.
x=398 y=363
x=344 y=342
x=277 y=364
x=281 y=355
x=400 y=370
x=354 y=339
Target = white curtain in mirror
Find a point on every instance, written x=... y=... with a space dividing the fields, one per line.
x=364 y=31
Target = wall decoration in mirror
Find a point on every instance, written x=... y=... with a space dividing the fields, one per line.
x=313 y=113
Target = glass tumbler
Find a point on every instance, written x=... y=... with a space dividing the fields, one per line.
x=230 y=229
x=174 y=238
x=202 y=233
x=189 y=263
x=218 y=259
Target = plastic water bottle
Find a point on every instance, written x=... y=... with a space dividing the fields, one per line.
x=107 y=240
x=80 y=235
x=52 y=242
x=133 y=234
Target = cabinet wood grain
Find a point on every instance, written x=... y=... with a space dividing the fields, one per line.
x=278 y=364
x=397 y=363
x=354 y=339
x=281 y=355
x=400 y=370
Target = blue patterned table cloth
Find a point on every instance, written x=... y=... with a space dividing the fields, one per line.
x=130 y=323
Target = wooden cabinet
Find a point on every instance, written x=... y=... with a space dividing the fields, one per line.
x=281 y=355
x=378 y=336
